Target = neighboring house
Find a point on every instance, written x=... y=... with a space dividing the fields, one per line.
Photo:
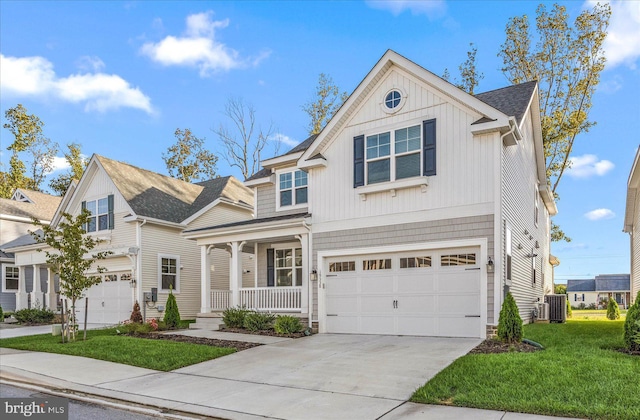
x=596 y=292
x=413 y=212
x=138 y=216
x=16 y=216
x=632 y=223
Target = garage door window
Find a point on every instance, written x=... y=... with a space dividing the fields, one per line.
x=457 y=259
x=382 y=264
x=415 y=262
x=342 y=266
x=125 y=277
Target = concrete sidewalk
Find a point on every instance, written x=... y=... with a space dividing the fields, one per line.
x=12 y=330
x=204 y=389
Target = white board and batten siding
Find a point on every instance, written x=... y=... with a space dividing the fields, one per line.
x=635 y=250
x=519 y=181
x=465 y=175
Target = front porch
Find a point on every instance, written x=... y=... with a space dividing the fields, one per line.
x=271 y=299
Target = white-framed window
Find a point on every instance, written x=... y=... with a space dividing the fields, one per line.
x=393 y=155
x=508 y=251
x=393 y=100
x=288 y=267
x=101 y=217
x=10 y=278
x=578 y=297
x=292 y=189
x=452 y=260
x=335 y=267
x=168 y=273
x=536 y=209
x=378 y=264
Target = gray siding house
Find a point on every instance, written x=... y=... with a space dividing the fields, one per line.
x=413 y=212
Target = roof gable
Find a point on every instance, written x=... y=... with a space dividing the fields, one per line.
x=30 y=204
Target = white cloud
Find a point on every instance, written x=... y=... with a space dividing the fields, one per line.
x=35 y=77
x=284 y=139
x=600 y=214
x=198 y=48
x=586 y=166
x=60 y=164
x=430 y=8
x=622 y=45
x=90 y=63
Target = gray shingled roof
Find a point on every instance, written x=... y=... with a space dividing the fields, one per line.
x=613 y=282
x=253 y=222
x=263 y=173
x=161 y=197
x=511 y=100
x=23 y=240
x=43 y=206
x=583 y=285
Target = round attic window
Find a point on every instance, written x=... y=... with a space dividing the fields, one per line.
x=392 y=100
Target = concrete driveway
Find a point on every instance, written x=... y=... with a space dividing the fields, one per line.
x=389 y=367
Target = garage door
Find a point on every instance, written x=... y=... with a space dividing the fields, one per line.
x=427 y=293
x=110 y=302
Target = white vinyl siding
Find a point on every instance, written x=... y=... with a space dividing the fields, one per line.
x=635 y=250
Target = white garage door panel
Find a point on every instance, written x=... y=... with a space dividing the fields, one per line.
x=109 y=303
x=429 y=301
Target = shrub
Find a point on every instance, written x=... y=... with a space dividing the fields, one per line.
x=287 y=324
x=171 y=314
x=613 y=311
x=592 y=305
x=570 y=309
x=234 y=317
x=136 y=316
x=1 y=315
x=257 y=321
x=510 y=323
x=631 y=334
x=34 y=316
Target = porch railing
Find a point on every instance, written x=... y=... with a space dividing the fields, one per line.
x=261 y=298
x=220 y=299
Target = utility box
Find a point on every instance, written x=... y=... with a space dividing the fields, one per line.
x=154 y=294
x=557 y=307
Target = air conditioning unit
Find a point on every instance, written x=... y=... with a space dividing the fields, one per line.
x=557 y=307
x=543 y=312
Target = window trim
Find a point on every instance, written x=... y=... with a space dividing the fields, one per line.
x=393 y=155
x=293 y=171
x=176 y=290
x=4 y=278
x=403 y=100
x=293 y=268
x=536 y=209
x=508 y=247
x=110 y=214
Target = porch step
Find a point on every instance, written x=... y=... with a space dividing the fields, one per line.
x=207 y=322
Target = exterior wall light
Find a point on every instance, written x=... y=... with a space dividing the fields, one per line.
x=490 y=265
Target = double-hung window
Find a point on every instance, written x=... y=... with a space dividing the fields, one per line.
x=394 y=155
x=11 y=277
x=101 y=214
x=288 y=267
x=292 y=188
x=169 y=272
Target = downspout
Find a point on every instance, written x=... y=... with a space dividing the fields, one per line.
x=139 y=258
x=310 y=266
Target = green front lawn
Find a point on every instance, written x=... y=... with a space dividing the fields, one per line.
x=107 y=345
x=579 y=374
x=594 y=314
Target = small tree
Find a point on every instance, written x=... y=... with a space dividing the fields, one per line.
x=632 y=326
x=171 y=314
x=71 y=256
x=136 y=316
x=560 y=289
x=510 y=323
x=188 y=160
x=613 y=311
x=569 y=309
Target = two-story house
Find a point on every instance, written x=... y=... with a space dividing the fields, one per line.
x=16 y=220
x=138 y=215
x=632 y=223
x=413 y=212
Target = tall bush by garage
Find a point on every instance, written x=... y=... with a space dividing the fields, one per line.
x=569 y=308
x=613 y=311
x=510 y=323
x=171 y=313
x=632 y=326
x=1 y=315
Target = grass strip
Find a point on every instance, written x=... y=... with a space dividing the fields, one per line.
x=107 y=345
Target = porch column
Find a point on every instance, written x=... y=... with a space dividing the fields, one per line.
x=205 y=279
x=37 y=298
x=51 y=291
x=304 y=297
x=21 y=295
x=235 y=272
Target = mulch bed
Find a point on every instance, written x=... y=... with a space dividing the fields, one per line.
x=629 y=352
x=238 y=345
x=492 y=346
x=270 y=333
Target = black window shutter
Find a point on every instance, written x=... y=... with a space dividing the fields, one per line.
x=84 y=206
x=271 y=272
x=358 y=161
x=111 y=221
x=429 y=147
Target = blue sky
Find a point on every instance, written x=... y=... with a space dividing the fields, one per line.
x=121 y=77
